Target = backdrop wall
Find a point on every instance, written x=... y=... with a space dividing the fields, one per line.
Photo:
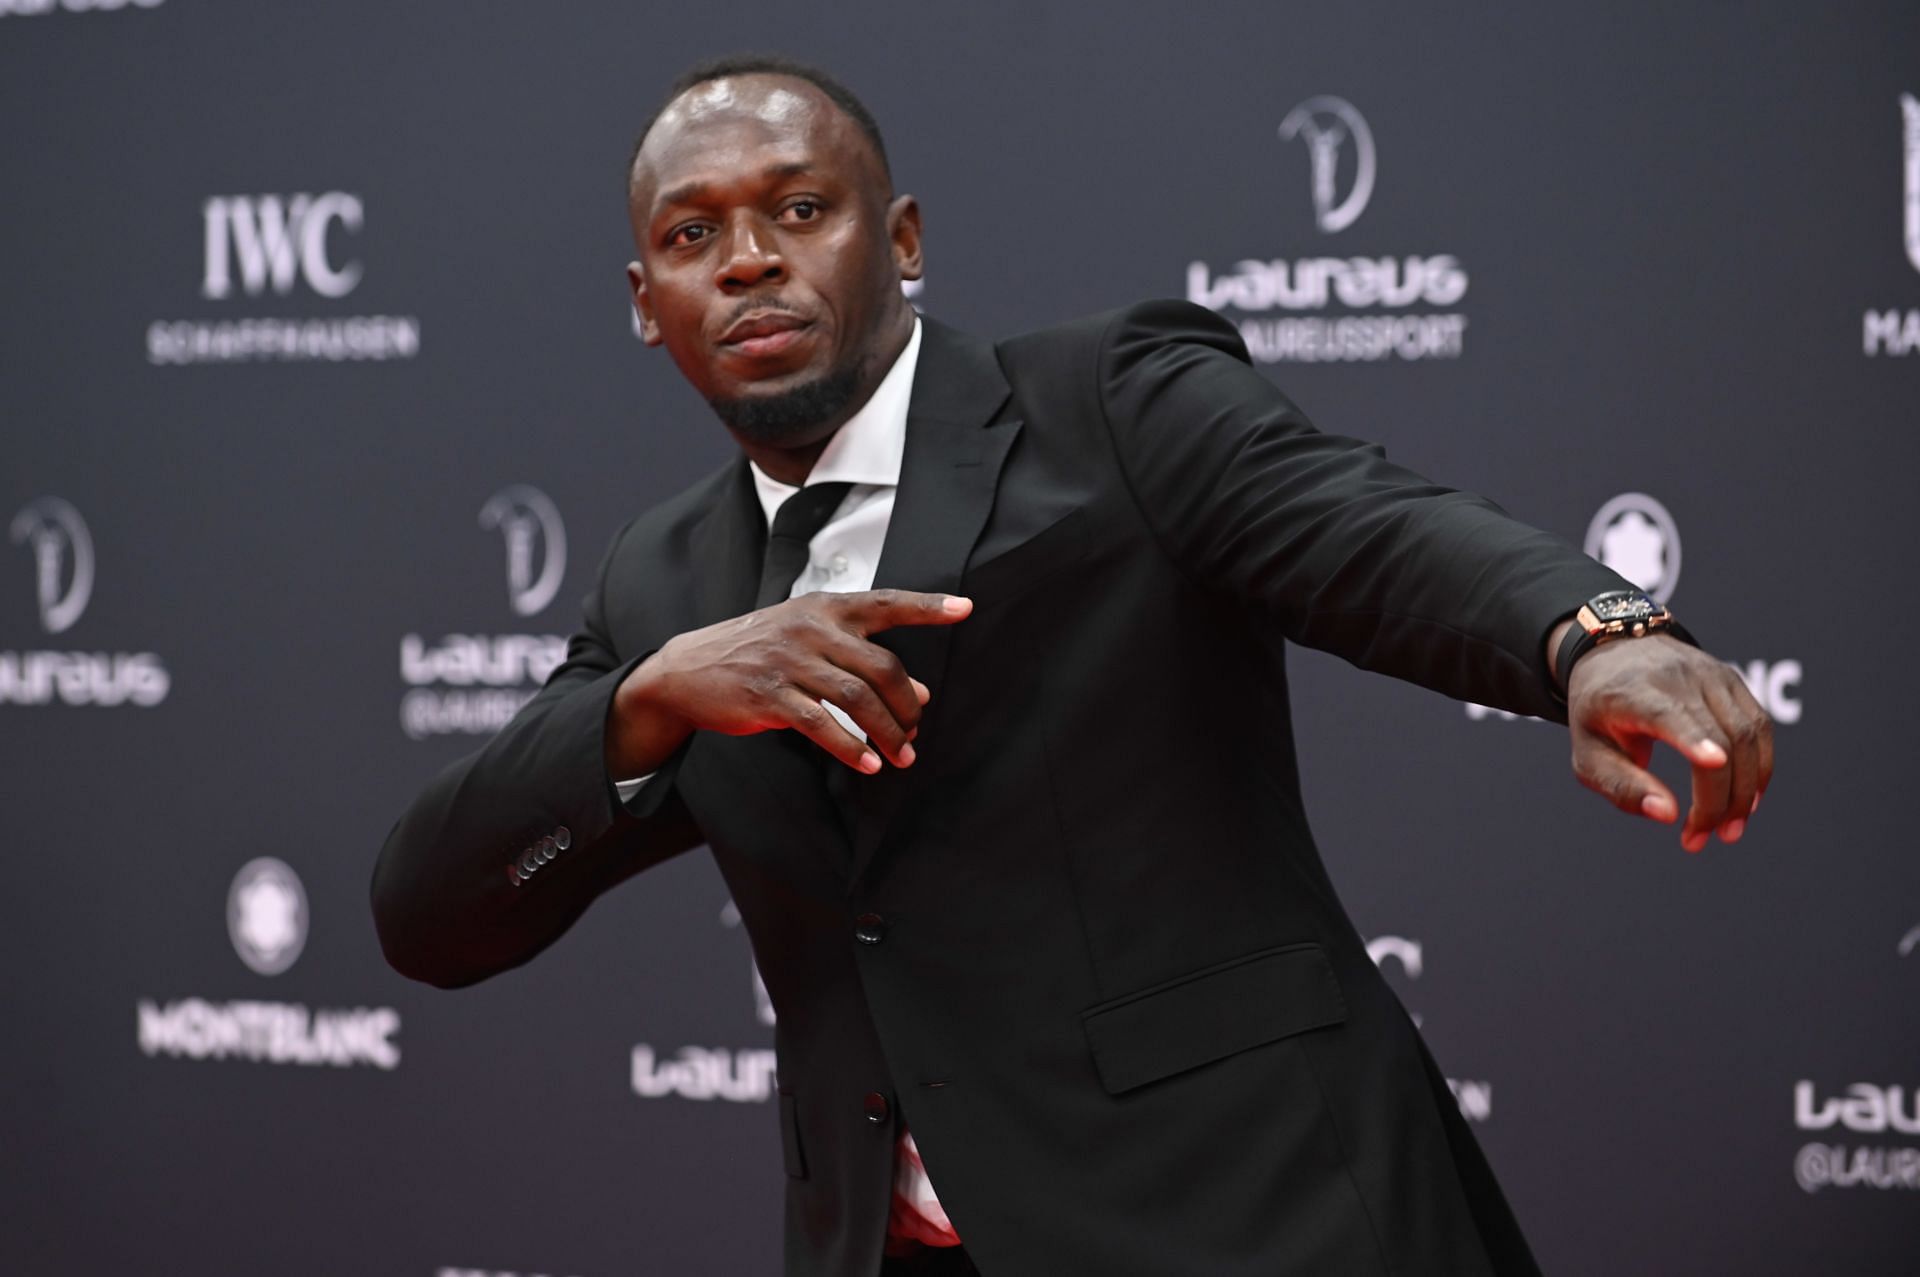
x=320 y=398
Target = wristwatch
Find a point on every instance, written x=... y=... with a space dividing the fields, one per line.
x=1614 y=615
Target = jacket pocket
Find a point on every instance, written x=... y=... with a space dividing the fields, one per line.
x=790 y=1136
x=1211 y=1014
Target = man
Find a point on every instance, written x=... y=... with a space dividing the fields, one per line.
x=1062 y=985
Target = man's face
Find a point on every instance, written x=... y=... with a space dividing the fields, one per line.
x=770 y=258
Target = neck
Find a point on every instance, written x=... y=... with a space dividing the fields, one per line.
x=791 y=464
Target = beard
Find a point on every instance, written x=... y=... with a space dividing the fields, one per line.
x=788 y=418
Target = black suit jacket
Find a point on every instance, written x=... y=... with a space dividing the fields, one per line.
x=1084 y=947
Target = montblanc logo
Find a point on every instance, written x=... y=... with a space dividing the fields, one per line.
x=472 y=684
x=1895 y=331
x=1325 y=124
x=282 y=245
x=278 y=239
x=267 y=915
x=53 y=532
x=1341 y=168
x=62 y=560
x=529 y=522
x=1635 y=536
x=267 y=923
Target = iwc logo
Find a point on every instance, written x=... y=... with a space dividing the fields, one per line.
x=267 y=915
x=529 y=522
x=62 y=560
x=1635 y=536
x=278 y=245
x=1326 y=124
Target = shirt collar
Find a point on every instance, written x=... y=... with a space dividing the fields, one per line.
x=868 y=448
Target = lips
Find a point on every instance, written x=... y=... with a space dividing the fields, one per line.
x=767 y=333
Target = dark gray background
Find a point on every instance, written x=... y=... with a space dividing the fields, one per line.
x=1673 y=219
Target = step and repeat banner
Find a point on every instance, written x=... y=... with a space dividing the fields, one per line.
x=322 y=395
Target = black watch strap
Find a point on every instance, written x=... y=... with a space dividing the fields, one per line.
x=1617 y=614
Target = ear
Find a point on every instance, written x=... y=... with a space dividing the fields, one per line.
x=903 y=229
x=637 y=281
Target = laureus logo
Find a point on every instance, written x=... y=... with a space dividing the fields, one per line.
x=1327 y=124
x=531 y=524
x=267 y=915
x=1910 y=109
x=1635 y=536
x=62 y=560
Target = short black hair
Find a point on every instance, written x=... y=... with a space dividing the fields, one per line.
x=768 y=64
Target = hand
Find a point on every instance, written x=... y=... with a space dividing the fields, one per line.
x=1626 y=694
x=771 y=669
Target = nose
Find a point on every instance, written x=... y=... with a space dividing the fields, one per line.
x=749 y=256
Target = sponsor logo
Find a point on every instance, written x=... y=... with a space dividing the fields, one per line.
x=705 y=1073
x=741 y=1075
x=277 y=241
x=63 y=566
x=484 y=1272
x=269 y=1033
x=1908 y=943
x=62 y=560
x=273 y=247
x=1474 y=1096
x=35 y=8
x=1636 y=536
x=528 y=520
x=472 y=684
x=1895 y=331
x=1325 y=124
x=267 y=915
x=1364 y=306
x=1910 y=120
x=267 y=922
x=1865 y=1109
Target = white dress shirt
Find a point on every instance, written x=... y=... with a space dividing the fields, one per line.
x=843 y=556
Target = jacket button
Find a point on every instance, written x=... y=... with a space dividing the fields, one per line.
x=563 y=838
x=876 y=1106
x=869 y=928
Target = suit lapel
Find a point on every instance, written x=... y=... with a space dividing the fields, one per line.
x=726 y=548
x=955 y=447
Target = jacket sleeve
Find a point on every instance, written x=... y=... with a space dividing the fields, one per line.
x=468 y=883
x=1349 y=552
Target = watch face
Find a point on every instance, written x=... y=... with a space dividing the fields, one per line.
x=1623 y=605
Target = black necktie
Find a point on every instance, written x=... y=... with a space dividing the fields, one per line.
x=800 y=516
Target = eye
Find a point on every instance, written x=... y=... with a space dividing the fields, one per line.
x=691 y=233
x=803 y=210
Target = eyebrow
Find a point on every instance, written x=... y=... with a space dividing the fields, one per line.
x=689 y=192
